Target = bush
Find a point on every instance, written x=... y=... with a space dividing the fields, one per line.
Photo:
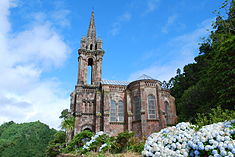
x=84 y=143
x=56 y=145
x=120 y=143
x=181 y=140
x=136 y=145
x=78 y=141
x=216 y=115
x=100 y=142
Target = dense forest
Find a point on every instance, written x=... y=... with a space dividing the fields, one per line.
x=24 y=140
x=209 y=82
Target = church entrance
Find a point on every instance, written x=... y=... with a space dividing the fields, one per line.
x=88 y=128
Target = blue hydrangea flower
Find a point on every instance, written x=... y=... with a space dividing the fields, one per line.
x=196 y=152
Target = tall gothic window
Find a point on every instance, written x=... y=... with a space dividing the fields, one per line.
x=167 y=112
x=120 y=111
x=117 y=111
x=113 y=111
x=151 y=107
x=137 y=108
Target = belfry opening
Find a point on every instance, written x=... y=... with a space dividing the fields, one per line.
x=89 y=71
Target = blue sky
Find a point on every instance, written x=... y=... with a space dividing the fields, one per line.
x=39 y=41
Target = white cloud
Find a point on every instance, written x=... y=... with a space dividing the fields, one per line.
x=187 y=44
x=151 y=6
x=157 y=72
x=170 y=20
x=47 y=49
x=61 y=17
x=172 y=23
x=182 y=50
x=25 y=56
x=118 y=24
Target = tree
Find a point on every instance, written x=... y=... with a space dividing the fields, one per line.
x=68 y=123
x=209 y=82
x=24 y=140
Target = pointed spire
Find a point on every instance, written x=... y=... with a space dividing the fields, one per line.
x=91 y=30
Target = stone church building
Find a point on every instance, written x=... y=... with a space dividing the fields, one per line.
x=141 y=106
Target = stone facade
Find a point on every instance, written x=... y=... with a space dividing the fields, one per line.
x=141 y=106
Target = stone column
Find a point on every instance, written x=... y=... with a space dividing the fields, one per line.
x=98 y=111
x=129 y=111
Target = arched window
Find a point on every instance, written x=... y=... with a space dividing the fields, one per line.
x=113 y=111
x=151 y=107
x=120 y=111
x=167 y=112
x=137 y=108
x=96 y=46
x=91 y=47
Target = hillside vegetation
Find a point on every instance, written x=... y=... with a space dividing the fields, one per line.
x=24 y=140
x=209 y=82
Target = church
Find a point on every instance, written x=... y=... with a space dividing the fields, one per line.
x=141 y=106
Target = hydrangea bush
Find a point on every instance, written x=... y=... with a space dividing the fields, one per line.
x=98 y=142
x=182 y=140
x=214 y=140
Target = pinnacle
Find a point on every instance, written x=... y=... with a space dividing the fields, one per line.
x=91 y=30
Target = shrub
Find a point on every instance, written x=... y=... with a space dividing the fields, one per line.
x=181 y=140
x=56 y=144
x=99 y=142
x=216 y=115
x=78 y=141
x=120 y=143
x=136 y=145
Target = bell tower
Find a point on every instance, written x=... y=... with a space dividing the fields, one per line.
x=90 y=54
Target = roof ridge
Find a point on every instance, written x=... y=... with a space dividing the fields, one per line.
x=145 y=77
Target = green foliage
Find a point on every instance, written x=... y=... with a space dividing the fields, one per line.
x=24 y=140
x=64 y=114
x=120 y=142
x=209 y=82
x=216 y=115
x=56 y=145
x=99 y=141
x=78 y=141
x=68 y=123
x=136 y=145
x=68 y=120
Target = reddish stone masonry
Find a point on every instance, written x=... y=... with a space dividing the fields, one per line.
x=141 y=106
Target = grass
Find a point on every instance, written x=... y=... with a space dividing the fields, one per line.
x=94 y=154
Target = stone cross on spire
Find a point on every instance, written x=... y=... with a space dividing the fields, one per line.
x=91 y=30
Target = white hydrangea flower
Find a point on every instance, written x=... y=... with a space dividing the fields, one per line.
x=93 y=139
x=182 y=140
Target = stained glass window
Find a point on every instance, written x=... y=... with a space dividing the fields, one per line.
x=120 y=111
x=167 y=112
x=151 y=107
x=137 y=108
x=113 y=111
